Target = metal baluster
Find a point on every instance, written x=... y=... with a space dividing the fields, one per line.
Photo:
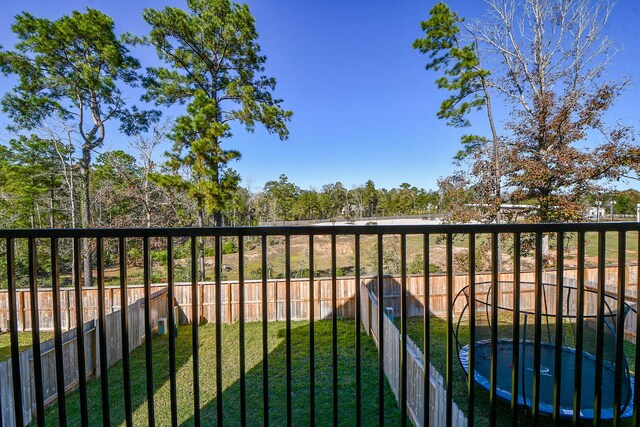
x=426 y=339
x=577 y=390
x=265 y=336
x=495 y=283
x=172 y=334
x=471 y=384
x=403 y=330
x=287 y=298
x=334 y=328
x=55 y=288
x=148 y=329
x=35 y=330
x=13 y=327
x=104 y=362
x=124 y=321
x=620 y=318
x=449 y=343
x=358 y=327
x=82 y=373
x=557 y=378
x=312 y=354
x=537 y=329
x=381 y=379
x=243 y=381
x=597 y=397
x=218 y=280
x=195 y=339
x=515 y=360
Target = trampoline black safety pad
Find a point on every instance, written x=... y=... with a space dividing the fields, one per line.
x=524 y=345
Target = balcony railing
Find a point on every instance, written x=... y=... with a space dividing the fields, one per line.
x=540 y=314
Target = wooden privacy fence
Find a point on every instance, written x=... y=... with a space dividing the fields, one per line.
x=276 y=303
x=159 y=309
x=67 y=305
x=438 y=288
x=415 y=369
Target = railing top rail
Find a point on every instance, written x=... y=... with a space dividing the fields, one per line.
x=318 y=230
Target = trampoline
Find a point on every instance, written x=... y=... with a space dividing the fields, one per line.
x=525 y=346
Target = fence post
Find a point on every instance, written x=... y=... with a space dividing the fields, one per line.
x=370 y=302
x=319 y=287
x=23 y=315
x=627 y=273
x=200 y=290
x=68 y=311
x=229 y=308
x=275 y=298
x=96 y=349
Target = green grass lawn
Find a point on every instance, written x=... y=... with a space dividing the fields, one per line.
x=230 y=378
x=24 y=342
x=611 y=240
x=438 y=330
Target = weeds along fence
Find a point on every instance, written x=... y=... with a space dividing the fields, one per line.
x=136 y=335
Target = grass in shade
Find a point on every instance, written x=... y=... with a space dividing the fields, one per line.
x=254 y=368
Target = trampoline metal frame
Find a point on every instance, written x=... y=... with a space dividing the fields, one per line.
x=522 y=400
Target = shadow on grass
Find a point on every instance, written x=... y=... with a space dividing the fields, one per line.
x=231 y=397
x=300 y=382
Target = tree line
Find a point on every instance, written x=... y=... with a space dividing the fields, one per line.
x=282 y=200
x=35 y=193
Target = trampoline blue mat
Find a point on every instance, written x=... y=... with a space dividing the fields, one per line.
x=547 y=358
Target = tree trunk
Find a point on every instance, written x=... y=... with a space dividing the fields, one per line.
x=217 y=215
x=32 y=212
x=545 y=245
x=72 y=208
x=146 y=198
x=52 y=222
x=72 y=191
x=201 y=243
x=87 y=271
x=497 y=173
x=147 y=204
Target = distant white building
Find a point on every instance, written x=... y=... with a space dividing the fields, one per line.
x=594 y=212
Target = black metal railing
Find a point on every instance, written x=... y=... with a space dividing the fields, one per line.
x=520 y=244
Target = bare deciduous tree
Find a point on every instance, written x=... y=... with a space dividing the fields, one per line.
x=549 y=60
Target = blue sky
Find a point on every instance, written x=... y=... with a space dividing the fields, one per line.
x=364 y=107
